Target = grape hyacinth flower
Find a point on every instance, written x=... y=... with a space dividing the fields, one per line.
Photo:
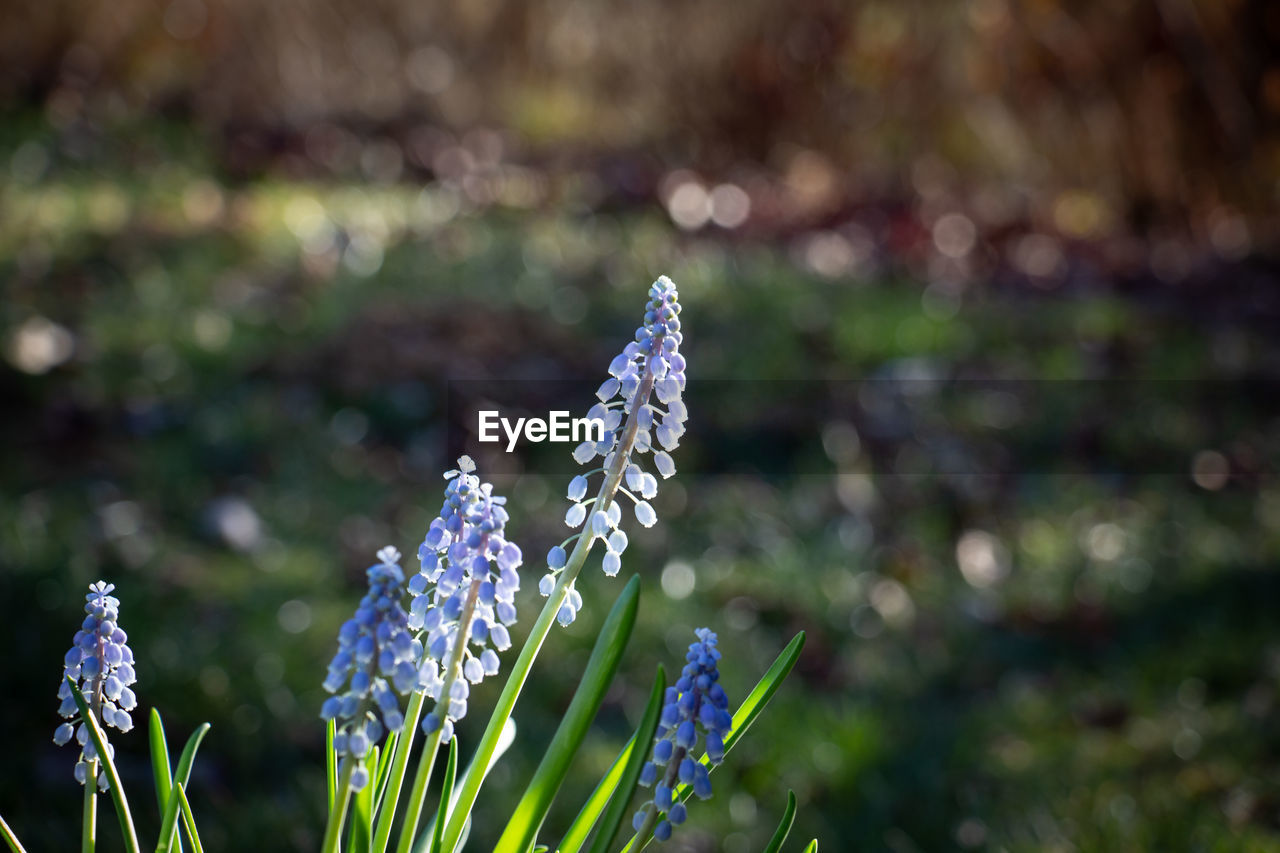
x=102 y=663
x=377 y=659
x=695 y=705
x=648 y=367
x=467 y=583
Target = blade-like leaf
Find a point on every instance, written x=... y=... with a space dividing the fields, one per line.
x=182 y=774
x=432 y=841
x=389 y=800
x=160 y=768
x=750 y=708
x=595 y=804
x=813 y=847
x=505 y=740
x=784 y=826
x=117 y=790
x=384 y=764
x=360 y=833
x=330 y=764
x=466 y=833
x=188 y=820
x=12 y=840
x=617 y=810
x=612 y=641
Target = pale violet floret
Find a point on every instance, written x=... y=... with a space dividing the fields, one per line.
x=648 y=379
x=377 y=661
x=695 y=709
x=465 y=548
x=101 y=663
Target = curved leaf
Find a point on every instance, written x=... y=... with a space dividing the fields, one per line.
x=360 y=834
x=160 y=769
x=12 y=840
x=182 y=775
x=117 y=790
x=595 y=804
x=188 y=820
x=521 y=830
x=784 y=826
x=617 y=810
x=384 y=764
x=813 y=847
x=446 y=793
x=390 y=798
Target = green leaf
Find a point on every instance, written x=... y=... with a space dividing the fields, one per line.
x=784 y=826
x=360 y=834
x=751 y=707
x=380 y=776
x=446 y=791
x=601 y=666
x=813 y=847
x=188 y=820
x=626 y=787
x=389 y=800
x=169 y=824
x=591 y=809
x=117 y=790
x=12 y=840
x=507 y=737
x=160 y=769
x=330 y=764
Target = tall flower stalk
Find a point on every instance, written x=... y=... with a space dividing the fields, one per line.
x=649 y=366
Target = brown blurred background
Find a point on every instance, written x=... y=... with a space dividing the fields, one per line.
x=1092 y=119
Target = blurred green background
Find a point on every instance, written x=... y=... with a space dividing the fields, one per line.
x=245 y=246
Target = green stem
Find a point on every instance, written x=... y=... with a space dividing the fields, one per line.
x=333 y=832
x=524 y=663
x=427 y=761
x=89 y=831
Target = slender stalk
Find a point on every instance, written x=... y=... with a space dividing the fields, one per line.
x=529 y=652
x=89 y=831
x=333 y=832
x=426 y=761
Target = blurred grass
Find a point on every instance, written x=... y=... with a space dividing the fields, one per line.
x=252 y=405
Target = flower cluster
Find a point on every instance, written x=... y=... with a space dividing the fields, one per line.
x=101 y=661
x=696 y=702
x=375 y=651
x=468 y=584
x=650 y=366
